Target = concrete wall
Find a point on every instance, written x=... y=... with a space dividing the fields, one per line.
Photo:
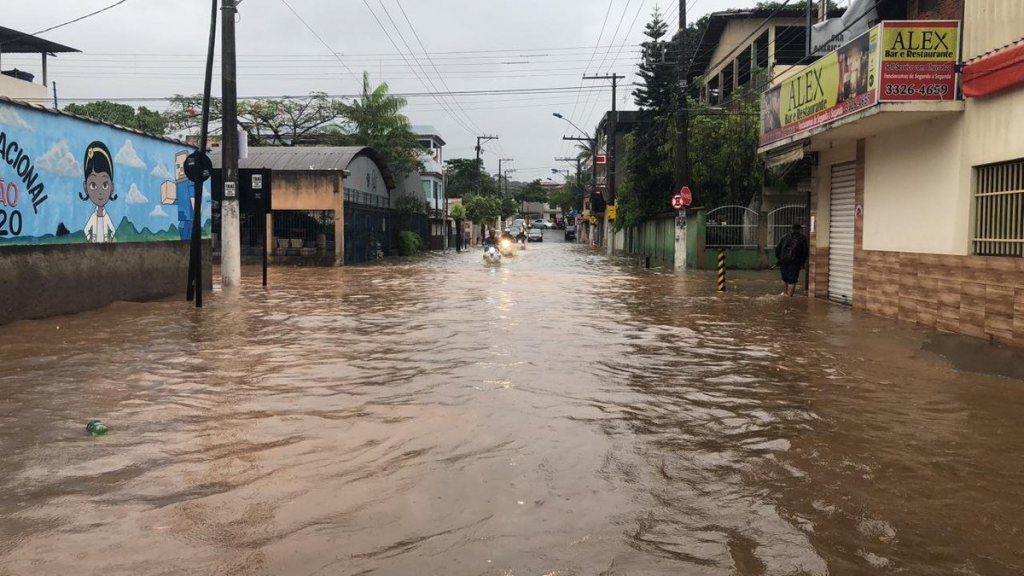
x=27 y=91
x=43 y=281
x=990 y=24
x=307 y=191
x=914 y=197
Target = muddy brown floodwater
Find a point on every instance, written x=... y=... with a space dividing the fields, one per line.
x=563 y=414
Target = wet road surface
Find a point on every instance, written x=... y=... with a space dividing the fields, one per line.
x=561 y=414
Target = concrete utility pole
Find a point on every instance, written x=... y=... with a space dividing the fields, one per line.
x=230 y=232
x=683 y=112
x=612 y=131
x=479 y=140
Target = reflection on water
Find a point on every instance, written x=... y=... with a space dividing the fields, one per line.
x=559 y=414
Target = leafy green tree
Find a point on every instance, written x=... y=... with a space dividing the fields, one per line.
x=458 y=213
x=725 y=166
x=568 y=197
x=462 y=178
x=532 y=192
x=288 y=121
x=376 y=120
x=121 y=114
x=645 y=185
x=483 y=209
x=267 y=122
x=185 y=113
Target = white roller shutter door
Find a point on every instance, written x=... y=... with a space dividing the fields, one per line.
x=840 y=232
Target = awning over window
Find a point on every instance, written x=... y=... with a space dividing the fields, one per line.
x=786 y=155
x=994 y=73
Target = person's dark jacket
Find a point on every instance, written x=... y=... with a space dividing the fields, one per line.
x=800 y=254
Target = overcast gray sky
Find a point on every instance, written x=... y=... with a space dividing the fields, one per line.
x=151 y=49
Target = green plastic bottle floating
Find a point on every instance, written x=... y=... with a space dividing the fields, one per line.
x=96 y=428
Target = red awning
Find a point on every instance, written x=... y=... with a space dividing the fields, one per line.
x=994 y=73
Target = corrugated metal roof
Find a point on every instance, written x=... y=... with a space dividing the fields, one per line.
x=307 y=159
x=15 y=42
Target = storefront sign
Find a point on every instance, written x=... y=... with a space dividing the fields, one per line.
x=837 y=85
x=919 y=60
x=893 y=62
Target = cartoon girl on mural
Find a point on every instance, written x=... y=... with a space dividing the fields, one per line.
x=99 y=188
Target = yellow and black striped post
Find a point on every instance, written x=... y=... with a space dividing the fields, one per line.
x=721 y=269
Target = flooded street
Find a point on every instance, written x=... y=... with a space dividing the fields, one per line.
x=562 y=414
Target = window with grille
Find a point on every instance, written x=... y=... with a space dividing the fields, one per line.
x=999 y=209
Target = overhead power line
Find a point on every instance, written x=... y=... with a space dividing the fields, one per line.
x=471 y=93
x=462 y=124
x=324 y=42
x=591 y=62
x=69 y=22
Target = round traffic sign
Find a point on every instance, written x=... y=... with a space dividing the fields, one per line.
x=196 y=162
x=677 y=202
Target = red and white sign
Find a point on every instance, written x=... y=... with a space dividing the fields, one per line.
x=601 y=159
x=686 y=195
x=677 y=202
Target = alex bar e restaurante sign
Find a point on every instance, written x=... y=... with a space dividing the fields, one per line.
x=894 y=61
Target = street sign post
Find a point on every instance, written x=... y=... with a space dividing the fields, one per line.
x=686 y=195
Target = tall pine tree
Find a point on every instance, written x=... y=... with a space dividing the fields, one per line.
x=646 y=186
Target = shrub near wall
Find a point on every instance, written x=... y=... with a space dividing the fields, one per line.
x=409 y=243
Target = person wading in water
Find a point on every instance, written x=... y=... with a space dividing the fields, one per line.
x=792 y=254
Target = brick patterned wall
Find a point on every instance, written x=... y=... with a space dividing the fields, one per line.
x=936 y=9
x=974 y=295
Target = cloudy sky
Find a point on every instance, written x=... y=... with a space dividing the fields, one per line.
x=150 y=49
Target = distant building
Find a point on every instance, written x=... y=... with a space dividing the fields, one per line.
x=432 y=177
x=330 y=204
x=21 y=84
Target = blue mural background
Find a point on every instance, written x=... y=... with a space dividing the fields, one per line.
x=40 y=200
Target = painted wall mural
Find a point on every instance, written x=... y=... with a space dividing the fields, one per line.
x=66 y=180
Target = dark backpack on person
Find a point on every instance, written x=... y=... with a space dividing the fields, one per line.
x=790 y=252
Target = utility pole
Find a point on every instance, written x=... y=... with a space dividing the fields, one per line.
x=612 y=132
x=479 y=140
x=230 y=233
x=500 y=160
x=810 y=9
x=194 y=286
x=683 y=112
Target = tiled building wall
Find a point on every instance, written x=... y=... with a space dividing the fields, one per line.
x=973 y=295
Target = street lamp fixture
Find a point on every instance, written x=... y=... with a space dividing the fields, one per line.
x=581 y=130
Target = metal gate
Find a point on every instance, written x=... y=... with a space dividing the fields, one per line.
x=367 y=227
x=840 y=232
x=732 y=227
x=781 y=220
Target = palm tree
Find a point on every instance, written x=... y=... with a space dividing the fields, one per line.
x=376 y=120
x=591 y=147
